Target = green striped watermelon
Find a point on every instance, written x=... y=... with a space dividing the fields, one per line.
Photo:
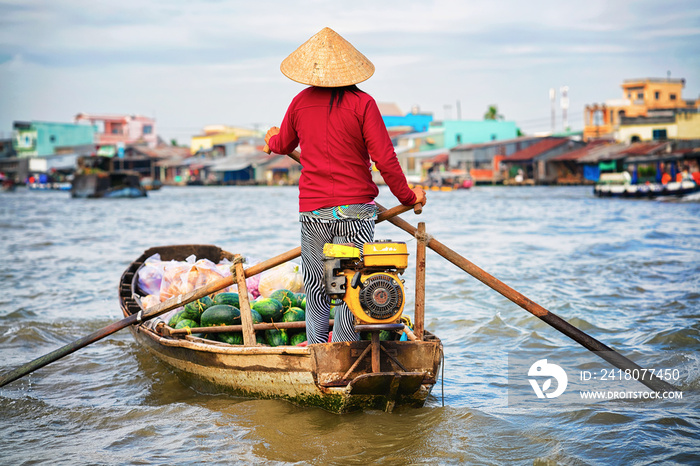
x=220 y=314
x=294 y=314
x=297 y=338
x=276 y=337
x=187 y=323
x=269 y=309
x=286 y=297
x=232 y=338
x=229 y=298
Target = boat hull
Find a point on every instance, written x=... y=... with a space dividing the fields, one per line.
x=315 y=375
x=646 y=191
x=111 y=185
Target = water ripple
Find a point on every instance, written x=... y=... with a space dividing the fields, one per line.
x=626 y=273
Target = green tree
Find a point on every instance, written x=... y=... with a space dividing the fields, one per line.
x=492 y=113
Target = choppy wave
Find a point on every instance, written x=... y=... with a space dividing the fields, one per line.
x=627 y=273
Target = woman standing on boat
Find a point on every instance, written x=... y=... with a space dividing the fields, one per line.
x=339 y=130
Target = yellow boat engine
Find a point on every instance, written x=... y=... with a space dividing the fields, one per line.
x=369 y=282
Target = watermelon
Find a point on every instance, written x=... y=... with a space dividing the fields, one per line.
x=276 y=337
x=301 y=300
x=187 y=323
x=269 y=309
x=177 y=317
x=294 y=314
x=227 y=298
x=220 y=314
x=257 y=318
x=286 y=297
x=260 y=338
x=297 y=338
x=194 y=309
x=384 y=335
x=232 y=338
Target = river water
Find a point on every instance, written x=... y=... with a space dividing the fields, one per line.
x=625 y=272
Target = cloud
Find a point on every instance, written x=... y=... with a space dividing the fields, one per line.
x=219 y=61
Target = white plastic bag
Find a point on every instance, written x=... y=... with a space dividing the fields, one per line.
x=183 y=277
x=151 y=275
x=285 y=276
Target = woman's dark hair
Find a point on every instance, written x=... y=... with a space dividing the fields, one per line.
x=339 y=92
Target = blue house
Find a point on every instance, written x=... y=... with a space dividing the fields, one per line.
x=459 y=132
x=40 y=138
x=393 y=117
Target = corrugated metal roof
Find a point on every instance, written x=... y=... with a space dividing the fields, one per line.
x=494 y=143
x=240 y=161
x=645 y=148
x=164 y=152
x=423 y=134
x=536 y=149
x=441 y=158
x=576 y=154
x=282 y=163
x=424 y=154
x=609 y=151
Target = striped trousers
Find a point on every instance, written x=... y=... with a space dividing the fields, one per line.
x=313 y=236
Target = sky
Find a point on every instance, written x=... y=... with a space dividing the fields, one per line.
x=190 y=64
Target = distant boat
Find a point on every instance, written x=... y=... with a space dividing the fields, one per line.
x=50 y=186
x=619 y=185
x=8 y=185
x=149 y=184
x=443 y=184
x=95 y=178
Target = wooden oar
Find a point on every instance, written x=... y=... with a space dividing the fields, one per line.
x=165 y=306
x=151 y=312
x=602 y=350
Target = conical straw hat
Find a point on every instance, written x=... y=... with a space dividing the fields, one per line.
x=327 y=60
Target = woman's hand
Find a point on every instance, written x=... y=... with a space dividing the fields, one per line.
x=271 y=132
x=420 y=195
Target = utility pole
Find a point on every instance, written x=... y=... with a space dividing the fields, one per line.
x=448 y=112
x=552 y=100
x=459 y=110
x=565 y=107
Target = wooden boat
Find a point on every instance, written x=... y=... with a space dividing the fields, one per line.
x=8 y=185
x=97 y=178
x=338 y=377
x=646 y=191
x=149 y=184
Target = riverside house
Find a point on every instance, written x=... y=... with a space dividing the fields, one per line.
x=650 y=109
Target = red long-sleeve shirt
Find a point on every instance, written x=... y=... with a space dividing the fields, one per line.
x=336 y=148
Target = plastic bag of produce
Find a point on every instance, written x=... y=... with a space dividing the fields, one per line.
x=183 y=277
x=286 y=276
x=150 y=300
x=251 y=282
x=151 y=275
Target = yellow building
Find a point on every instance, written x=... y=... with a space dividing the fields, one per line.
x=645 y=103
x=219 y=135
x=688 y=126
